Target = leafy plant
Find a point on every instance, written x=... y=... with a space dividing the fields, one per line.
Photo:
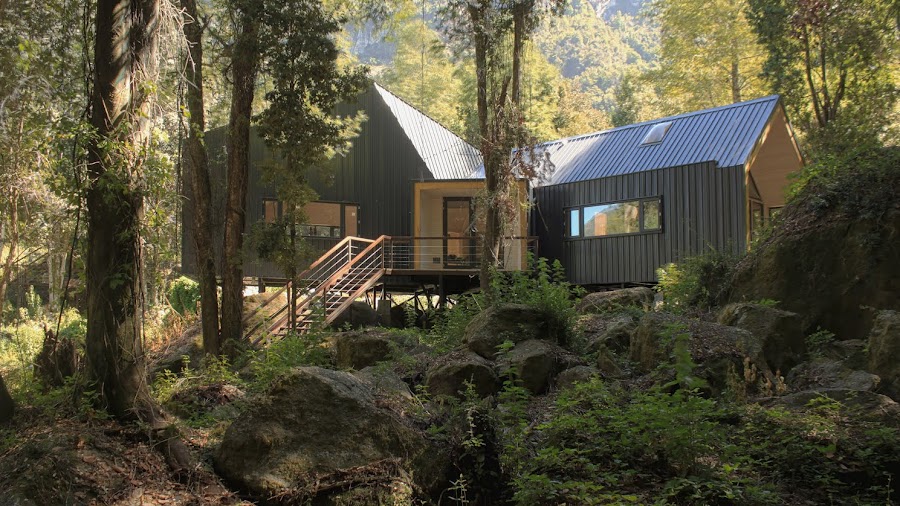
x=698 y=282
x=818 y=341
x=183 y=295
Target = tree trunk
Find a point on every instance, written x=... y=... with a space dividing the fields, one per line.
x=124 y=56
x=7 y=406
x=243 y=72
x=13 y=242
x=735 y=81
x=196 y=163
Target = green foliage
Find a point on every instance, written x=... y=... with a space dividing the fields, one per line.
x=34 y=308
x=698 y=282
x=818 y=341
x=281 y=356
x=183 y=295
x=542 y=285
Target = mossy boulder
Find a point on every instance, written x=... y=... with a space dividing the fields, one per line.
x=867 y=406
x=574 y=375
x=317 y=426
x=534 y=364
x=884 y=352
x=358 y=315
x=601 y=302
x=830 y=373
x=449 y=375
x=364 y=348
x=828 y=266
x=505 y=322
x=610 y=330
x=779 y=337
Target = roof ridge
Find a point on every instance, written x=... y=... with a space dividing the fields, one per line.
x=688 y=114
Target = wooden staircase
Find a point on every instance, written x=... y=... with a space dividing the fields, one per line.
x=327 y=288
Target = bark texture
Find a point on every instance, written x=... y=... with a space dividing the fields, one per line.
x=244 y=66
x=196 y=163
x=12 y=244
x=124 y=59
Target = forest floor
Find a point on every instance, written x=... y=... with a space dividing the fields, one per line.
x=79 y=460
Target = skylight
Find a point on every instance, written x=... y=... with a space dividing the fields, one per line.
x=656 y=133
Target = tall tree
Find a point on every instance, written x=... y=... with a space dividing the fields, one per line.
x=832 y=60
x=124 y=67
x=298 y=125
x=709 y=55
x=244 y=68
x=196 y=163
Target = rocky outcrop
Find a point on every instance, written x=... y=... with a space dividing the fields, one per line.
x=828 y=268
x=504 y=322
x=449 y=376
x=829 y=373
x=534 y=364
x=778 y=335
x=609 y=330
x=867 y=406
x=603 y=302
x=316 y=426
x=884 y=352
x=361 y=349
x=574 y=375
x=358 y=315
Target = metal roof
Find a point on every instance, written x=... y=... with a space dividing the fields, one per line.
x=446 y=155
x=724 y=134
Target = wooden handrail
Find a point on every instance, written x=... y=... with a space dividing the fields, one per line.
x=264 y=304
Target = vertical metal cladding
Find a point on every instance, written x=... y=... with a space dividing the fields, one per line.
x=703 y=208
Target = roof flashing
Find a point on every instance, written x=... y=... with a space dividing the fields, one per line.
x=656 y=134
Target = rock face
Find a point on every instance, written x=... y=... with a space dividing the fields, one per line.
x=609 y=330
x=865 y=405
x=7 y=408
x=358 y=315
x=504 y=322
x=536 y=363
x=449 y=376
x=829 y=373
x=718 y=350
x=601 y=302
x=779 y=337
x=358 y=350
x=577 y=374
x=827 y=271
x=884 y=352
x=316 y=423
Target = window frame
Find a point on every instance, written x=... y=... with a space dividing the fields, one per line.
x=316 y=227
x=640 y=204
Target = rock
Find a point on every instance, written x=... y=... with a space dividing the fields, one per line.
x=717 y=350
x=535 y=363
x=602 y=302
x=448 y=377
x=360 y=349
x=852 y=353
x=608 y=365
x=828 y=267
x=7 y=406
x=186 y=350
x=884 y=352
x=358 y=315
x=867 y=406
x=829 y=373
x=609 y=330
x=577 y=374
x=315 y=425
x=504 y=322
x=779 y=338
x=201 y=399
x=385 y=383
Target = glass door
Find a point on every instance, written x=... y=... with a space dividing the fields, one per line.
x=459 y=233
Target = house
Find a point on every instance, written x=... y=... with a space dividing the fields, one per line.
x=622 y=202
x=397 y=211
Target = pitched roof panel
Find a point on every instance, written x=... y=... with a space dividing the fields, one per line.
x=446 y=154
x=724 y=134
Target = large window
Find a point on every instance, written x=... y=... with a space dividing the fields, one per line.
x=323 y=219
x=616 y=218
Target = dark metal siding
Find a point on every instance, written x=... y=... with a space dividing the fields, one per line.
x=377 y=173
x=703 y=209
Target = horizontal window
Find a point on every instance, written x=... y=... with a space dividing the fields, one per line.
x=323 y=219
x=615 y=218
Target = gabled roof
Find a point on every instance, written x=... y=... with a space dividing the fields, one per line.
x=726 y=135
x=446 y=155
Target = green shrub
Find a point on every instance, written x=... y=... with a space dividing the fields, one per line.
x=281 y=356
x=818 y=341
x=699 y=282
x=183 y=295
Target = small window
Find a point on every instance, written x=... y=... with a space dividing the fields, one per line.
x=651 y=214
x=656 y=133
x=574 y=222
x=270 y=210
